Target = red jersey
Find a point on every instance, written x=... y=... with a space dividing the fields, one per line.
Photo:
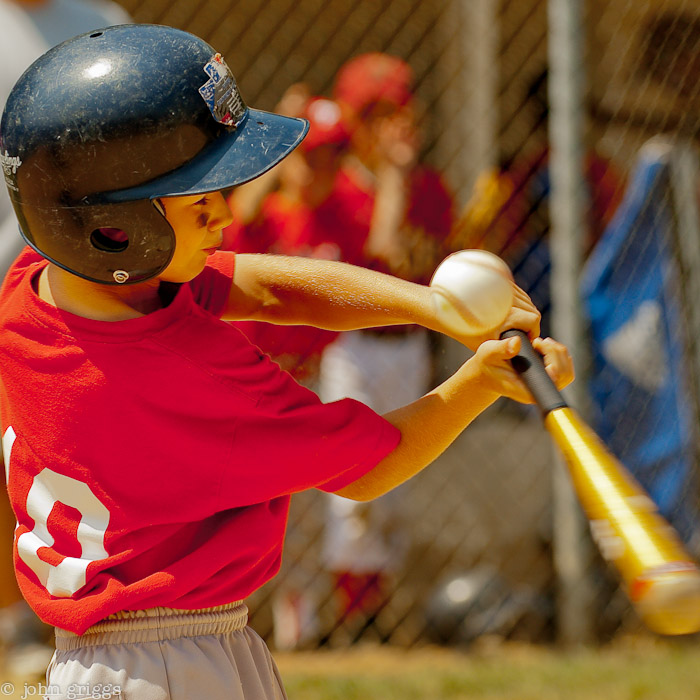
x=150 y=461
x=430 y=212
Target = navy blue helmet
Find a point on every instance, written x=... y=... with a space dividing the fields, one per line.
x=107 y=122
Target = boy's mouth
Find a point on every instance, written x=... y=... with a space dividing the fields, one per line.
x=213 y=248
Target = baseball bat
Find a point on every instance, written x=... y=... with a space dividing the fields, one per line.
x=660 y=578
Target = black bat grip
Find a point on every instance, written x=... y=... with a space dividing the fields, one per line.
x=528 y=364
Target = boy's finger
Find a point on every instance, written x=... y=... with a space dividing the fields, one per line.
x=557 y=360
x=511 y=347
x=500 y=349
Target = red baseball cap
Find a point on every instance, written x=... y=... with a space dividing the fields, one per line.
x=326 y=126
x=374 y=77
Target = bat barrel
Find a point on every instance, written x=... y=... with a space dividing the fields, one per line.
x=661 y=580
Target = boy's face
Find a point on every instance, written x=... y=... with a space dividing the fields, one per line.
x=197 y=221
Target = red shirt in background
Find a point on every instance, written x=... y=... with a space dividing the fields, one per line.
x=430 y=213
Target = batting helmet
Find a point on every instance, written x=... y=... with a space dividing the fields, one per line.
x=107 y=122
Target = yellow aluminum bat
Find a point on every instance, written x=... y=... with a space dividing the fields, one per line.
x=659 y=576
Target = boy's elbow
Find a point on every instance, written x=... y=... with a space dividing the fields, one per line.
x=385 y=476
x=358 y=492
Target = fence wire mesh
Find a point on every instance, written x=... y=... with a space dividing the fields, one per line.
x=474 y=531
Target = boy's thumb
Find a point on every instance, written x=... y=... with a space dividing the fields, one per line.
x=512 y=346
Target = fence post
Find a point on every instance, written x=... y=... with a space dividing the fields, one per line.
x=568 y=204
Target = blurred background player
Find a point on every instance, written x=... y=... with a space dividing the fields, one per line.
x=400 y=215
x=288 y=212
x=30 y=28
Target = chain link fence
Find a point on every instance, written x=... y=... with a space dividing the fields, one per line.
x=475 y=530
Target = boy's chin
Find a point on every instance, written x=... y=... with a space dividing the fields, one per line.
x=180 y=276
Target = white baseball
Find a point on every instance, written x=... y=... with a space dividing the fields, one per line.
x=472 y=292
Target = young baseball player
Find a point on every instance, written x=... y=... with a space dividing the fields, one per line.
x=151 y=449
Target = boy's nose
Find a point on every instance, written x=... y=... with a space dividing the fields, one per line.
x=219 y=212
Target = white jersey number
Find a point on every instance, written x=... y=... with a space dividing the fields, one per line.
x=49 y=488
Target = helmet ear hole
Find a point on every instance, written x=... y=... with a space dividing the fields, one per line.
x=109 y=240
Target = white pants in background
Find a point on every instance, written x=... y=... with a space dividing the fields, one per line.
x=384 y=370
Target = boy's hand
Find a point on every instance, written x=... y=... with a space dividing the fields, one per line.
x=493 y=361
x=523 y=315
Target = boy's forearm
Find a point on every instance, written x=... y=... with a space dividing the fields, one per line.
x=428 y=426
x=341 y=297
x=326 y=294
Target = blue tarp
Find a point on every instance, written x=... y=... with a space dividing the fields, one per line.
x=641 y=386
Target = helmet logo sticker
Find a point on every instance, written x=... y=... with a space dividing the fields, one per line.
x=221 y=93
x=10 y=165
x=120 y=276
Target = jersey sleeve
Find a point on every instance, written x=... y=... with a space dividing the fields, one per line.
x=292 y=442
x=211 y=288
x=386 y=438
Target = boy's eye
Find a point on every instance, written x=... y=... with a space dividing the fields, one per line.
x=202 y=201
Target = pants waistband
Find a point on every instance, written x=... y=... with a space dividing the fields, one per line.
x=156 y=624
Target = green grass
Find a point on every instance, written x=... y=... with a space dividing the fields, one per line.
x=636 y=668
x=648 y=671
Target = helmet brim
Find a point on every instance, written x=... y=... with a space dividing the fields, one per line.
x=255 y=146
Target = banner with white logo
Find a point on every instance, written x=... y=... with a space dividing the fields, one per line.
x=641 y=380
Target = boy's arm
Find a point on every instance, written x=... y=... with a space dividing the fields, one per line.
x=341 y=297
x=429 y=425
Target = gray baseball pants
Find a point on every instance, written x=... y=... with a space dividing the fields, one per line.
x=165 y=654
